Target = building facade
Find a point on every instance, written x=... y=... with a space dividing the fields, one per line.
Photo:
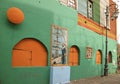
x=40 y=34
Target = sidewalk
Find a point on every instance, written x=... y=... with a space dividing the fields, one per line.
x=110 y=79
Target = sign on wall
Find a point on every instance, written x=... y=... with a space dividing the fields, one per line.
x=58 y=45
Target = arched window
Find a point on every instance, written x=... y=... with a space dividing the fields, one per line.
x=98 y=57
x=29 y=52
x=74 y=56
x=110 y=57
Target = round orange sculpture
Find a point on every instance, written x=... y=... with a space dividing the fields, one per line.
x=15 y=15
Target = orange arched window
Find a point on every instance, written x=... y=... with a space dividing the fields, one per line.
x=29 y=52
x=74 y=56
x=98 y=57
x=110 y=57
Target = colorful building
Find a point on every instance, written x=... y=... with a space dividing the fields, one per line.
x=39 y=35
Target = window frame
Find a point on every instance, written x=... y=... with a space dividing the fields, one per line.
x=68 y=3
x=88 y=9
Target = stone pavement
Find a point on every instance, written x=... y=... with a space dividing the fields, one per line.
x=110 y=79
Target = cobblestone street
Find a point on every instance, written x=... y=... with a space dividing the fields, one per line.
x=110 y=79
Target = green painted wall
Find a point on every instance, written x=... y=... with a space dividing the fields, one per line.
x=39 y=16
x=37 y=20
x=88 y=67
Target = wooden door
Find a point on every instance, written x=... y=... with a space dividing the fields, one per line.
x=98 y=57
x=29 y=52
x=73 y=56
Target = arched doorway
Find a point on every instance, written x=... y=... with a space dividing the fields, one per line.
x=98 y=57
x=74 y=56
x=29 y=52
x=110 y=57
x=98 y=60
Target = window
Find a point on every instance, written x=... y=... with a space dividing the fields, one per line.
x=110 y=57
x=90 y=9
x=74 y=56
x=98 y=57
x=64 y=2
x=103 y=5
x=70 y=3
x=29 y=52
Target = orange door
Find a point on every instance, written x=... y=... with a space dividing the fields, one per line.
x=98 y=57
x=22 y=58
x=30 y=52
x=73 y=56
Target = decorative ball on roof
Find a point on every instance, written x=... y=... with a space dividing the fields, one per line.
x=15 y=15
